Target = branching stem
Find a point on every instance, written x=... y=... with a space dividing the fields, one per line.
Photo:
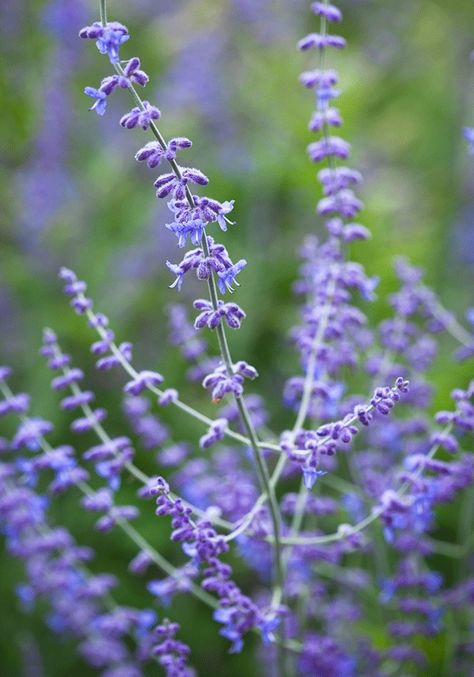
x=262 y=470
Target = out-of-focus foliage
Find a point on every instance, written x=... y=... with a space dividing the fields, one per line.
x=224 y=73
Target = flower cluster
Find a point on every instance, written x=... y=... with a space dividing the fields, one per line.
x=57 y=572
x=192 y=213
x=236 y=612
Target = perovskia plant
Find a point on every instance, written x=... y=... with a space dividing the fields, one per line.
x=333 y=519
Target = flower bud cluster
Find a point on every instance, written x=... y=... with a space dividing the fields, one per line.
x=236 y=612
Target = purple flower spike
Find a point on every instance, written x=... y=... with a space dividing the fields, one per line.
x=222 y=383
x=245 y=370
x=334 y=180
x=17 y=404
x=167 y=397
x=344 y=203
x=76 y=401
x=115 y=514
x=101 y=501
x=448 y=442
x=108 y=38
x=93 y=32
x=225 y=208
x=329 y=116
x=205 y=208
x=66 y=380
x=140 y=563
x=171 y=654
x=83 y=425
x=111 y=361
x=218 y=262
x=100 y=97
x=167 y=184
x=108 y=450
x=179 y=272
x=319 y=78
x=111 y=82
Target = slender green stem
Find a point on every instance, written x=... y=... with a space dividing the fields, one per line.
x=103 y=12
x=105 y=438
x=253 y=440
x=360 y=526
x=139 y=475
x=452 y=550
x=179 y=404
x=452 y=635
x=449 y=321
x=313 y=356
x=262 y=471
x=303 y=410
x=342 y=485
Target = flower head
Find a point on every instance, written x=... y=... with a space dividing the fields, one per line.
x=100 y=97
x=226 y=279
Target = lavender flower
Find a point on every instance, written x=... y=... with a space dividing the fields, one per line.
x=329 y=12
x=153 y=154
x=140 y=117
x=108 y=38
x=214 y=434
x=100 y=97
x=230 y=312
x=221 y=382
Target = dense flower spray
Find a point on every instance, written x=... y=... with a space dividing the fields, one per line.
x=335 y=517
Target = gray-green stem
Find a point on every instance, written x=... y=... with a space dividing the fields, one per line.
x=262 y=470
x=349 y=530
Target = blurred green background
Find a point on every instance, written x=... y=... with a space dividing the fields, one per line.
x=224 y=73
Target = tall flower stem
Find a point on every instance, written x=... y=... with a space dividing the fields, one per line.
x=262 y=470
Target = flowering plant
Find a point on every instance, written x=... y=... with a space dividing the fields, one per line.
x=334 y=517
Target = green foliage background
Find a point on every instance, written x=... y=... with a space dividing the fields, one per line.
x=407 y=92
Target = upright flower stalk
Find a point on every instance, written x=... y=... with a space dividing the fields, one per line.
x=211 y=261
